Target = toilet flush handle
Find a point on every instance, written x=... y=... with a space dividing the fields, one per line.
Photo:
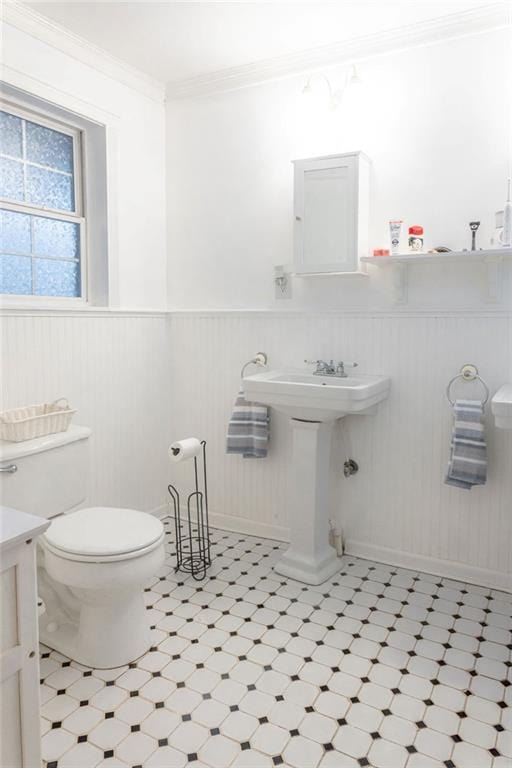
x=9 y=468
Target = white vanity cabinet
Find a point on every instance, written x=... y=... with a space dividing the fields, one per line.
x=331 y=209
x=19 y=657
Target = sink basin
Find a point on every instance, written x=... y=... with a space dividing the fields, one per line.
x=501 y=406
x=303 y=395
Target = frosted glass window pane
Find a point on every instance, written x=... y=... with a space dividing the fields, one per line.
x=11 y=179
x=14 y=232
x=49 y=189
x=16 y=274
x=53 y=277
x=56 y=238
x=10 y=135
x=48 y=147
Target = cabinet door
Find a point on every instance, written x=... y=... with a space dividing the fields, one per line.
x=19 y=662
x=326 y=202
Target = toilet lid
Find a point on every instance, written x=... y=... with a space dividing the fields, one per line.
x=103 y=531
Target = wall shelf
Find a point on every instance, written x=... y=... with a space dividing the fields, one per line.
x=491 y=259
x=358 y=273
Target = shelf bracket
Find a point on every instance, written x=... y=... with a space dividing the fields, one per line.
x=493 y=266
x=399 y=280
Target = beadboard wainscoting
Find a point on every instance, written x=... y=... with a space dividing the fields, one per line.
x=396 y=508
x=114 y=368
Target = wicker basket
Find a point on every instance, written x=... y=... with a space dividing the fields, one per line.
x=32 y=421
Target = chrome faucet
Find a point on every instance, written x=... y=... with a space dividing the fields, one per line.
x=330 y=369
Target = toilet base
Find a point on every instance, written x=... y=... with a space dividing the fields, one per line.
x=94 y=611
x=104 y=636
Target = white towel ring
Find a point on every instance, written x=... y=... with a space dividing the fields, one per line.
x=468 y=372
x=260 y=359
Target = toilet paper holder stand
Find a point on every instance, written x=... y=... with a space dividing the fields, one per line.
x=193 y=548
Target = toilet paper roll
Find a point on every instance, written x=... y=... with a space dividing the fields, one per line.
x=184 y=449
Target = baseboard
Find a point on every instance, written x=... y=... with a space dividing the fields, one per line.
x=162 y=511
x=458 y=571
x=249 y=527
x=471 y=574
x=233 y=524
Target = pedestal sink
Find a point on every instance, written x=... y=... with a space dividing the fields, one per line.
x=313 y=403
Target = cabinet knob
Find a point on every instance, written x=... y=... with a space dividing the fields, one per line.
x=298 y=218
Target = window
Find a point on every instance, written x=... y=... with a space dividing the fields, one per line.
x=42 y=224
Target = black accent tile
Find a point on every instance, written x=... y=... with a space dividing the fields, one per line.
x=108 y=753
x=163 y=742
x=82 y=738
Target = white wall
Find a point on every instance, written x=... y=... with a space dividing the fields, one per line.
x=436 y=123
x=115 y=371
x=398 y=501
x=113 y=367
x=49 y=63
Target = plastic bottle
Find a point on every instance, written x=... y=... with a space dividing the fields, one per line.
x=416 y=238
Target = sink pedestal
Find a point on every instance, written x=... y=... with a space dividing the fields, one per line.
x=310 y=558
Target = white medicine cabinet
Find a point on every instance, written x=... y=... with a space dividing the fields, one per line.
x=331 y=209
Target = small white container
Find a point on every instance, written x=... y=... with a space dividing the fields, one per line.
x=32 y=421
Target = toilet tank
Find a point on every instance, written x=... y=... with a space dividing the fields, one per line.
x=51 y=474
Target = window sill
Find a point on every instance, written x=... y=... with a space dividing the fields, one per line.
x=72 y=308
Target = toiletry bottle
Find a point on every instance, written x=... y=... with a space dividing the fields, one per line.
x=395 y=231
x=416 y=238
x=507 y=220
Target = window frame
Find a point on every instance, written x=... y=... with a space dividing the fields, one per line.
x=78 y=216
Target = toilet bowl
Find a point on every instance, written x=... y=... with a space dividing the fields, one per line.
x=92 y=565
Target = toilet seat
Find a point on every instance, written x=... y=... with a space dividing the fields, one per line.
x=103 y=534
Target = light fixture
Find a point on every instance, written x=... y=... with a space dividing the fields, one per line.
x=335 y=96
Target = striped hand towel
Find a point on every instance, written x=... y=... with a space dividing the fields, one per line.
x=248 y=429
x=468 y=451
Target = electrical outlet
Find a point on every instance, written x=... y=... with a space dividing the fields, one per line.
x=282 y=283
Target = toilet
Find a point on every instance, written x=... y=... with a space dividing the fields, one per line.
x=93 y=562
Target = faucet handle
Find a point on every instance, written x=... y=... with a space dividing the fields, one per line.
x=320 y=365
x=340 y=368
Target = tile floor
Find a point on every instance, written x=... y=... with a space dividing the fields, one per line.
x=378 y=667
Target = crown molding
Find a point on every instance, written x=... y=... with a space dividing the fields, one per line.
x=429 y=32
x=48 y=31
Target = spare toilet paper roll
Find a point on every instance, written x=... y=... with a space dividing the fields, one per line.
x=184 y=449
